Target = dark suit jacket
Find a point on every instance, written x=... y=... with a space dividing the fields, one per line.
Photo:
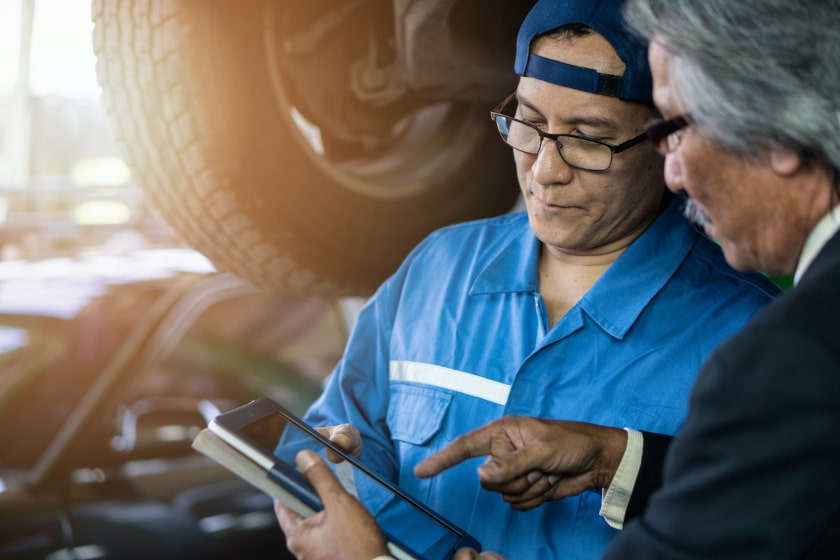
x=755 y=471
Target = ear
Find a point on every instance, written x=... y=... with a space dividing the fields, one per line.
x=785 y=161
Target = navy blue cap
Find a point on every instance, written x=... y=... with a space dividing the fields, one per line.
x=605 y=17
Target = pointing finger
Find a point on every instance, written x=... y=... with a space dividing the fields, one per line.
x=474 y=444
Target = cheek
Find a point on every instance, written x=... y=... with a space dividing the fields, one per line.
x=524 y=162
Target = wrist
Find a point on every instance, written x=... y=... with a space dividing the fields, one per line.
x=612 y=453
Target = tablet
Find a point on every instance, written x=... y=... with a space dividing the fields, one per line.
x=254 y=430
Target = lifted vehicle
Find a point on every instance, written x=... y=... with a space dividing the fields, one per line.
x=308 y=146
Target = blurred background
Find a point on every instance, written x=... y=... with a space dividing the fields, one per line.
x=64 y=190
x=117 y=342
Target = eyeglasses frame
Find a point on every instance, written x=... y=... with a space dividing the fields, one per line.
x=660 y=130
x=614 y=148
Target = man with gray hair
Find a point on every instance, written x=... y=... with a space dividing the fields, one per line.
x=750 y=98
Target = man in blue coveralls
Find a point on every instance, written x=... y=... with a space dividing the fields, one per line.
x=599 y=304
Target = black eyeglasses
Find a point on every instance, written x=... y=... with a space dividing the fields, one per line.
x=665 y=134
x=580 y=152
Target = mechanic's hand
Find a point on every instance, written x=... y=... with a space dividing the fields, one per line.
x=346 y=436
x=470 y=554
x=533 y=460
x=343 y=529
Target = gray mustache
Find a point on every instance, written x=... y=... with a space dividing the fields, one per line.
x=692 y=211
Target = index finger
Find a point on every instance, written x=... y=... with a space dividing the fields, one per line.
x=346 y=436
x=467 y=446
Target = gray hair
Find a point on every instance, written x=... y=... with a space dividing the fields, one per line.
x=755 y=74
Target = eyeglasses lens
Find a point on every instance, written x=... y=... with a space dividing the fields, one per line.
x=575 y=151
x=663 y=133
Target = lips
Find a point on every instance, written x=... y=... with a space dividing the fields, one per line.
x=555 y=204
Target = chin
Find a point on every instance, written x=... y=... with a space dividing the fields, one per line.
x=746 y=262
x=736 y=258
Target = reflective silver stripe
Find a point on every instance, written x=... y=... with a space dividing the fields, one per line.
x=452 y=379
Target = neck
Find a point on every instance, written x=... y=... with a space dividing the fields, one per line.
x=566 y=277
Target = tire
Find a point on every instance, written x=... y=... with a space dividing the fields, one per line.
x=228 y=144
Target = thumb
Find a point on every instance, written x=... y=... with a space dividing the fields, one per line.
x=319 y=475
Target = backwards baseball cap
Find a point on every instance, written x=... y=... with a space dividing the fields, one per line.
x=605 y=17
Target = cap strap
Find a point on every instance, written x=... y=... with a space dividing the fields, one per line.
x=577 y=77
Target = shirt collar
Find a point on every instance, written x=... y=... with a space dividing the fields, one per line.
x=819 y=236
x=515 y=266
x=638 y=274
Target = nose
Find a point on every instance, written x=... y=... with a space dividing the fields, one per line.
x=674 y=172
x=549 y=167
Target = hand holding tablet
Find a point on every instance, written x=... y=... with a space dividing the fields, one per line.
x=344 y=528
x=242 y=440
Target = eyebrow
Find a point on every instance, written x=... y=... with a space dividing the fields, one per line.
x=590 y=120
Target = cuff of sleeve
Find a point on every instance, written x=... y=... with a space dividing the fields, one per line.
x=616 y=497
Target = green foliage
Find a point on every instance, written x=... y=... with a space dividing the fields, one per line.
x=784 y=282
